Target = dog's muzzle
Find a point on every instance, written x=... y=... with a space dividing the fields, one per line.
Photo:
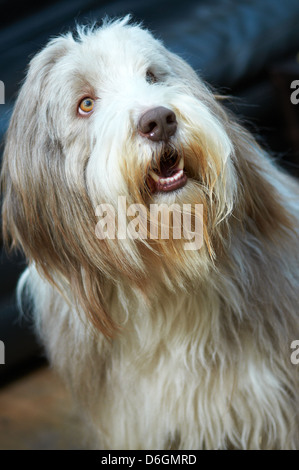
x=167 y=172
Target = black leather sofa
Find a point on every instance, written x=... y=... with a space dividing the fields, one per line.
x=234 y=44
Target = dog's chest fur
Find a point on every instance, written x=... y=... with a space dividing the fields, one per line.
x=173 y=377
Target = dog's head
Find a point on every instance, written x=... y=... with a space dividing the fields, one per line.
x=105 y=114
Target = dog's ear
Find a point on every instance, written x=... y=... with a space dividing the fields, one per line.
x=259 y=206
x=45 y=212
x=26 y=149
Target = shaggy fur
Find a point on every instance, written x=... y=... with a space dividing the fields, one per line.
x=162 y=347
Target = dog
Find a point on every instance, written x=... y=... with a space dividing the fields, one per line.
x=161 y=345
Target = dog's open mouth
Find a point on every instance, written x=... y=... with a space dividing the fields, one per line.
x=167 y=174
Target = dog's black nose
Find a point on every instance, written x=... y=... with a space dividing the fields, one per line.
x=157 y=124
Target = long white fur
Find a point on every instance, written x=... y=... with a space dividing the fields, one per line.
x=183 y=371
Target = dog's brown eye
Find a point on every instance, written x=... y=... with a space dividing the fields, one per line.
x=86 y=106
x=151 y=77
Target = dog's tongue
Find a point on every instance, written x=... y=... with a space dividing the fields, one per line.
x=168 y=179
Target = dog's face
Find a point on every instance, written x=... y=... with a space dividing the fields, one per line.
x=112 y=113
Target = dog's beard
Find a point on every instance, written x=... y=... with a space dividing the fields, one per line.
x=201 y=157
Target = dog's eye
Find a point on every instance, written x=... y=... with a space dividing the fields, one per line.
x=151 y=77
x=86 y=106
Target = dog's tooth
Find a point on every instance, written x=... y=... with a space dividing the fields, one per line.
x=181 y=164
x=154 y=176
x=177 y=176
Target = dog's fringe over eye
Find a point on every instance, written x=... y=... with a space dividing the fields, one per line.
x=86 y=106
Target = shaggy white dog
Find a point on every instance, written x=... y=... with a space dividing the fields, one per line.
x=163 y=347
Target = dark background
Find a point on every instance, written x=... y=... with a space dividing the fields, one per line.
x=247 y=49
